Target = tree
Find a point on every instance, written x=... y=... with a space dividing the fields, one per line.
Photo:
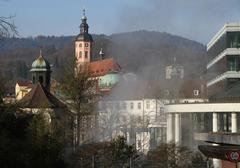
x=116 y=153
x=120 y=151
x=2 y=87
x=174 y=156
x=26 y=142
x=45 y=147
x=7 y=27
x=79 y=89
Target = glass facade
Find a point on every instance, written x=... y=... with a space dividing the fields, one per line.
x=233 y=40
x=217 y=48
x=202 y=122
x=233 y=63
x=228 y=40
x=157 y=136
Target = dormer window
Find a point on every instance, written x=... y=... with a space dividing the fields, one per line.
x=41 y=79
x=166 y=92
x=196 y=92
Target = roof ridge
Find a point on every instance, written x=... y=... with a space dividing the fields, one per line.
x=33 y=90
x=44 y=92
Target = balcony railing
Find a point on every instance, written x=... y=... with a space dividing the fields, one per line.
x=226 y=75
x=228 y=51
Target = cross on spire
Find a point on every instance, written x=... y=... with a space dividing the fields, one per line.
x=84 y=12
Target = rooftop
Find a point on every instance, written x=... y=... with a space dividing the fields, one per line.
x=228 y=27
x=103 y=67
x=24 y=83
x=39 y=97
x=219 y=137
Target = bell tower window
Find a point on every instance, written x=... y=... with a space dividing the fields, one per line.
x=80 y=45
x=80 y=54
x=86 y=54
x=41 y=79
x=33 y=79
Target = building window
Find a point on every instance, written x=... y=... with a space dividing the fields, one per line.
x=232 y=63
x=124 y=105
x=131 y=105
x=80 y=54
x=41 y=79
x=117 y=106
x=80 y=45
x=147 y=104
x=139 y=144
x=166 y=92
x=234 y=39
x=86 y=54
x=34 y=80
x=196 y=92
x=110 y=106
x=139 y=105
x=86 y=44
x=103 y=106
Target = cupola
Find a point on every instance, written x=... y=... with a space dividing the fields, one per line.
x=41 y=72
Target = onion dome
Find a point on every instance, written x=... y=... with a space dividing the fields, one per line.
x=84 y=35
x=40 y=64
x=109 y=80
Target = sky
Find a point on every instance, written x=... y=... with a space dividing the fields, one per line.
x=197 y=20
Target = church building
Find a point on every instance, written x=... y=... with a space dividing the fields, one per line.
x=104 y=70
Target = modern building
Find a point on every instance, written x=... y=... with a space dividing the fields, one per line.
x=223 y=59
x=213 y=124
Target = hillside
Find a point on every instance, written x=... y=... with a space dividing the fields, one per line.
x=142 y=52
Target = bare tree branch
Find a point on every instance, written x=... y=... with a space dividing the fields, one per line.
x=7 y=27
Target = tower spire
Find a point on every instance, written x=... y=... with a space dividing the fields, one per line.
x=84 y=13
x=84 y=25
x=83 y=42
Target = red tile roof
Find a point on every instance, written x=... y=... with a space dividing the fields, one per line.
x=102 y=67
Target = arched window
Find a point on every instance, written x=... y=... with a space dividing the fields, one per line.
x=86 y=54
x=33 y=79
x=80 y=54
x=41 y=79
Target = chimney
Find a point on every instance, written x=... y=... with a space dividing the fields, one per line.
x=101 y=54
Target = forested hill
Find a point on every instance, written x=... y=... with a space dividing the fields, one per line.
x=143 y=52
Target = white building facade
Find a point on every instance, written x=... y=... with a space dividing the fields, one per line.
x=142 y=122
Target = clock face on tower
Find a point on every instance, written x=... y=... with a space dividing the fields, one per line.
x=86 y=44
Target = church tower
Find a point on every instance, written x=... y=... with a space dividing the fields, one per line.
x=83 y=43
x=41 y=72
